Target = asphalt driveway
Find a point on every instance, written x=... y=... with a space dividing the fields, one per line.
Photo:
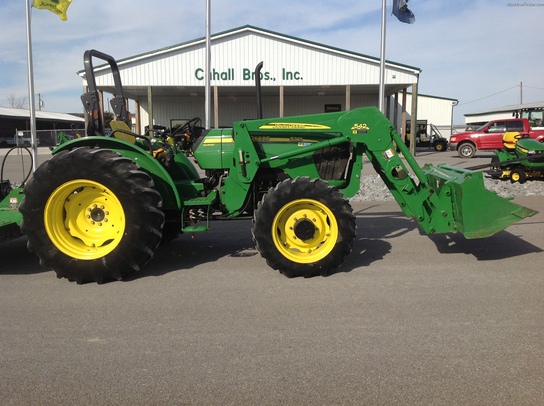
x=408 y=320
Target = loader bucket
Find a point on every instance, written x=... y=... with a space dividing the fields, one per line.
x=475 y=211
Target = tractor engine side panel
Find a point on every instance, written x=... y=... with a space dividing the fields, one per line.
x=215 y=150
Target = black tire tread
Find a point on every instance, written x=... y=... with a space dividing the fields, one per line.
x=132 y=186
x=292 y=189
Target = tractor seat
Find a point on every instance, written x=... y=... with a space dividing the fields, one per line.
x=121 y=131
x=509 y=140
x=162 y=153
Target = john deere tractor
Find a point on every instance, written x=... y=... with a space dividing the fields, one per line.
x=98 y=209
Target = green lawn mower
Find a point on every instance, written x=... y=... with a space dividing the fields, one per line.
x=522 y=158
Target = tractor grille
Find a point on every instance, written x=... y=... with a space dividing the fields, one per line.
x=331 y=162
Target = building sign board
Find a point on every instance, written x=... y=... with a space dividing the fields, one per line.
x=246 y=74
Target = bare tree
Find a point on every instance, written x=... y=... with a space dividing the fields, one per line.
x=17 y=102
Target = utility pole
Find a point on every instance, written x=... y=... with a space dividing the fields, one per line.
x=31 y=101
x=207 y=96
x=520 y=92
x=381 y=87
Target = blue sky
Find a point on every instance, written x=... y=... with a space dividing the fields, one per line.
x=475 y=51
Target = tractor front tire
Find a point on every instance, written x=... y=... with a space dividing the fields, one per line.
x=304 y=227
x=518 y=175
x=91 y=215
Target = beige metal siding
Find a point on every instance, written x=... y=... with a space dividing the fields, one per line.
x=306 y=70
x=286 y=62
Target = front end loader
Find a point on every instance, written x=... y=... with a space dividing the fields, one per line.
x=98 y=209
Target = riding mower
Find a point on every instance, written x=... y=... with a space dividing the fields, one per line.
x=522 y=158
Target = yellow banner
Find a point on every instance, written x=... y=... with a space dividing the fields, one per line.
x=58 y=7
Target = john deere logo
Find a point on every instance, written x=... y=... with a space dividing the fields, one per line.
x=58 y=7
x=53 y=5
x=293 y=126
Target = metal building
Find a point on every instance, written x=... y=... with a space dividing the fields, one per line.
x=533 y=111
x=48 y=124
x=298 y=77
x=435 y=111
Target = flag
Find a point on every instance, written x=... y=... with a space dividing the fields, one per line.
x=402 y=12
x=58 y=7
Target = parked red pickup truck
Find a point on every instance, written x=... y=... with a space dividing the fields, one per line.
x=489 y=136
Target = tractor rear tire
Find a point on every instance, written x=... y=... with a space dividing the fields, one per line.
x=304 y=227
x=91 y=215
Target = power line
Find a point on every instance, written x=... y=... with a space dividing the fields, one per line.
x=491 y=95
x=533 y=87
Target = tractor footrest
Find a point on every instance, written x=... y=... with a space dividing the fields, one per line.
x=196 y=213
x=200 y=201
x=195 y=229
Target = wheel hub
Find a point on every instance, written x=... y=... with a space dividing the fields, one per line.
x=304 y=229
x=97 y=213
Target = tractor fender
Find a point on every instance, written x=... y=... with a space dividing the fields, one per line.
x=163 y=182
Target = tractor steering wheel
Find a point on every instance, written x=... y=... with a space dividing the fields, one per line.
x=188 y=127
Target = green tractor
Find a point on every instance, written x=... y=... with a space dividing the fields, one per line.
x=100 y=206
x=522 y=158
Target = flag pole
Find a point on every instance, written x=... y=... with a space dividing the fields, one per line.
x=31 y=89
x=207 y=92
x=381 y=91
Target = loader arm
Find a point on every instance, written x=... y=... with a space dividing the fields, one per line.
x=441 y=198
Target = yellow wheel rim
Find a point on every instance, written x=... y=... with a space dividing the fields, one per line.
x=84 y=219
x=515 y=177
x=304 y=231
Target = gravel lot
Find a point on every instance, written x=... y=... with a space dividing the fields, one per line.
x=373 y=188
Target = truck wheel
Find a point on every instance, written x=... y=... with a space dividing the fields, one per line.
x=91 y=215
x=517 y=175
x=466 y=150
x=304 y=227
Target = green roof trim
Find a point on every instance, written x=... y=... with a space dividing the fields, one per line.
x=435 y=97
